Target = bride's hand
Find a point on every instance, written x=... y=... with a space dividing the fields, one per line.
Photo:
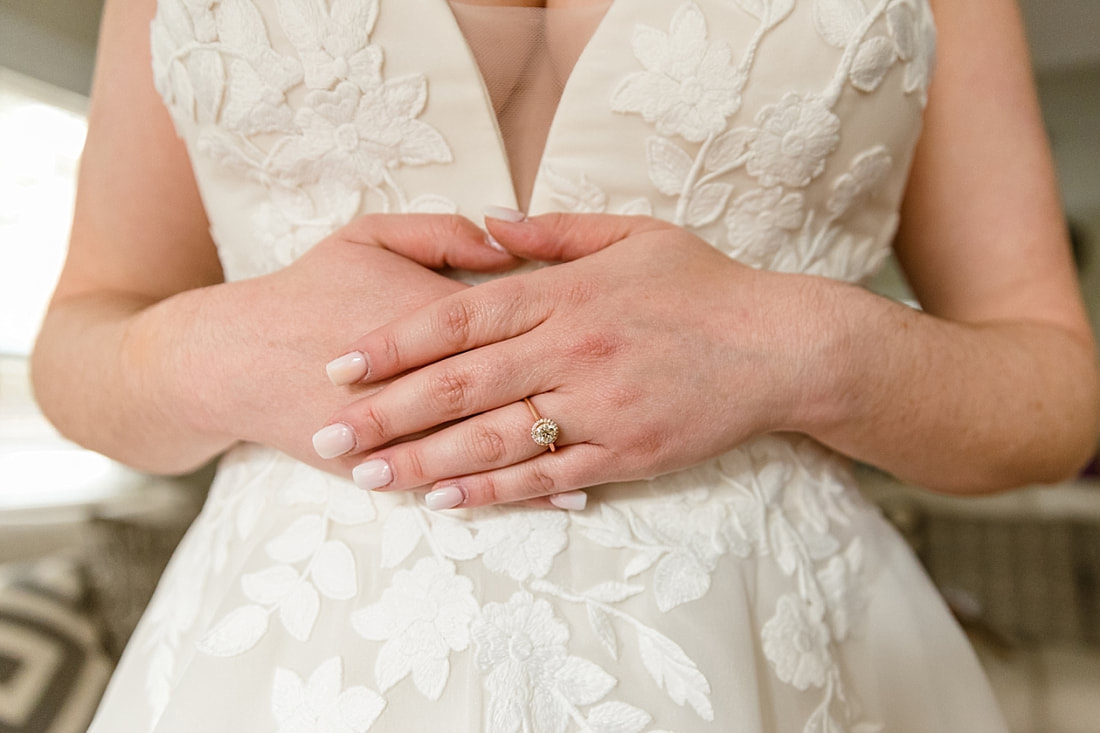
x=653 y=352
x=359 y=278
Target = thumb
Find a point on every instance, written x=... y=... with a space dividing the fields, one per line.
x=560 y=237
x=432 y=240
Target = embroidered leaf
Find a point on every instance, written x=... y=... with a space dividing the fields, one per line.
x=822 y=722
x=241 y=25
x=902 y=22
x=299 y=611
x=865 y=172
x=207 y=71
x=298 y=541
x=610 y=530
x=430 y=203
x=422 y=144
x=583 y=682
x=605 y=632
x=349 y=506
x=637 y=207
x=269 y=586
x=640 y=563
x=729 y=150
x=454 y=539
x=300 y=23
x=360 y=707
x=679 y=578
x=707 y=202
x=235 y=634
x=430 y=676
x=674 y=672
x=391 y=666
x=838 y=20
x=400 y=535
x=784 y=543
x=669 y=166
x=333 y=569
x=873 y=60
x=581 y=197
x=617 y=717
x=612 y=592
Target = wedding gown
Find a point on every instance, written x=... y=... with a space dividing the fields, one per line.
x=754 y=592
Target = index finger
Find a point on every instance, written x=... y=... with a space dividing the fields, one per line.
x=465 y=320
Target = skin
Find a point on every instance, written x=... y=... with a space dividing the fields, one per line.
x=994 y=385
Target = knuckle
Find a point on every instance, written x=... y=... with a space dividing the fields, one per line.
x=580 y=292
x=488 y=492
x=541 y=483
x=487 y=446
x=456 y=323
x=391 y=351
x=375 y=427
x=594 y=346
x=451 y=390
x=412 y=468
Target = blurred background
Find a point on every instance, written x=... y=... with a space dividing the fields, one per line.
x=83 y=540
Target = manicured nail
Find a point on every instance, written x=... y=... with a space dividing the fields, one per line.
x=334 y=440
x=446 y=498
x=503 y=213
x=372 y=474
x=347 y=368
x=492 y=242
x=574 y=501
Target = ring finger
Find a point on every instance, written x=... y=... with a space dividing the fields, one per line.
x=493 y=439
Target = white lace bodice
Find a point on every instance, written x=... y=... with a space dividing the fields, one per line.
x=779 y=131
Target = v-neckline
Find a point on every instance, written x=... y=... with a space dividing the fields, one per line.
x=595 y=40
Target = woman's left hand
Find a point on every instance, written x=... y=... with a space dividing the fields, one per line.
x=648 y=347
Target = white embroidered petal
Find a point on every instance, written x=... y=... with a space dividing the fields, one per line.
x=865 y=172
x=522 y=543
x=359 y=707
x=669 y=165
x=581 y=196
x=453 y=537
x=430 y=676
x=333 y=570
x=236 y=633
x=679 y=578
x=675 y=673
x=793 y=139
x=391 y=666
x=729 y=150
x=582 y=682
x=298 y=611
x=612 y=592
x=707 y=202
x=617 y=717
x=636 y=207
x=325 y=684
x=874 y=58
x=603 y=628
x=298 y=541
x=796 y=644
x=287 y=694
x=269 y=586
x=838 y=20
x=348 y=505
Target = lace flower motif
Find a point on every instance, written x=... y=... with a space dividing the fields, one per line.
x=688 y=87
x=358 y=137
x=322 y=705
x=761 y=223
x=522 y=543
x=532 y=682
x=423 y=616
x=792 y=141
x=332 y=40
x=797 y=644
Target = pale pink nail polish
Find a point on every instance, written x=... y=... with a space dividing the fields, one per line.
x=573 y=501
x=334 y=440
x=372 y=474
x=503 y=213
x=347 y=368
x=492 y=242
x=447 y=497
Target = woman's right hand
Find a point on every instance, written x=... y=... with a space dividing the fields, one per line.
x=254 y=374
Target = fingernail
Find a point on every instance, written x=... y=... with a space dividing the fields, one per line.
x=334 y=440
x=492 y=242
x=347 y=368
x=446 y=498
x=503 y=213
x=372 y=474
x=573 y=501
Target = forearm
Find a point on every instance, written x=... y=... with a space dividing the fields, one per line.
x=954 y=407
x=121 y=375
